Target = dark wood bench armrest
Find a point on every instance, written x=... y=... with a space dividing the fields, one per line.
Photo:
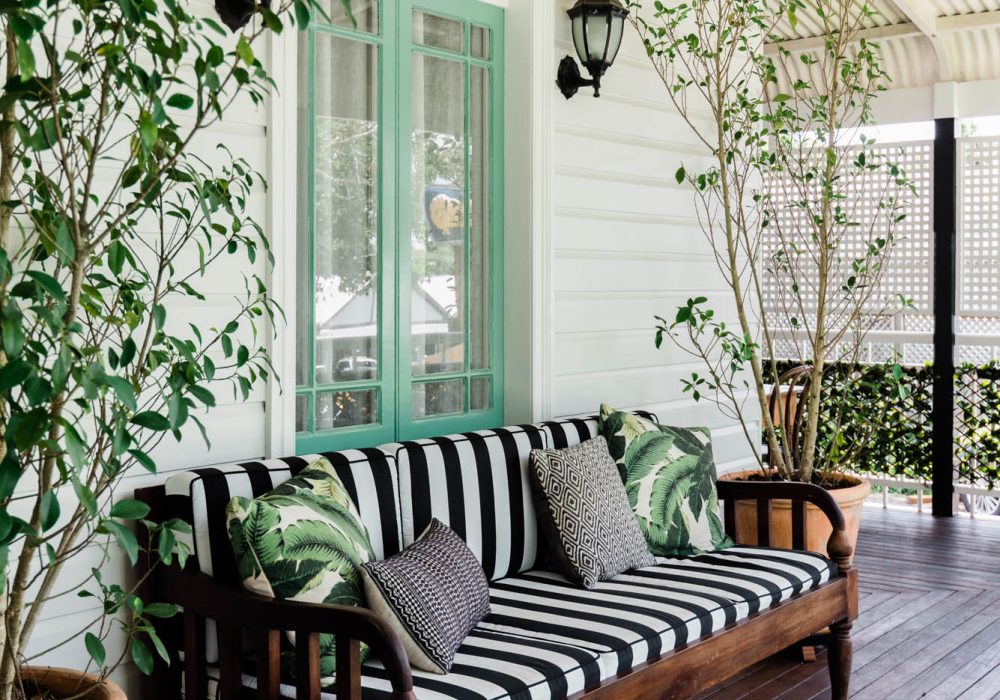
x=241 y=615
x=763 y=492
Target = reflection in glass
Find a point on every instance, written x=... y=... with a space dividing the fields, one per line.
x=365 y=13
x=438 y=398
x=482 y=393
x=480 y=42
x=437 y=303
x=343 y=409
x=479 y=219
x=345 y=212
x=301 y=414
x=438 y=32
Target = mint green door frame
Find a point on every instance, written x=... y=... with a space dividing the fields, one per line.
x=491 y=18
x=394 y=386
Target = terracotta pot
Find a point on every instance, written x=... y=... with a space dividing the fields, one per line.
x=65 y=682
x=851 y=498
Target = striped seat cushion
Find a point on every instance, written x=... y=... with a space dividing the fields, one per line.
x=199 y=497
x=477 y=484
x=639 y=615
x=569 y=432
x=488 y=666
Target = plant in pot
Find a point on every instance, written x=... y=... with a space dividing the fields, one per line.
x=114 y=219
x=802 y=213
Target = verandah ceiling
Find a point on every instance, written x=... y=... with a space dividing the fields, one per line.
x=923 y=41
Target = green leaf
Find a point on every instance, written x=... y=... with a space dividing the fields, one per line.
x=180 y=101
x=162 y=610
x=151 y=420
x=124 y=536
x=680 y=174
x=123 y=390
x=129 y=509
x=13 y=374
x=48 y=510
x=142 y=657
x=25 y=59
x=244 y=51
x=144 y=459
x=95 y=647
x=148 y=131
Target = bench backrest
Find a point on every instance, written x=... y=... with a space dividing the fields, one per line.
x=477 y=484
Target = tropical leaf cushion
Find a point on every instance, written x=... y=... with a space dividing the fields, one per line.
x=303 y=541
x=669 y=476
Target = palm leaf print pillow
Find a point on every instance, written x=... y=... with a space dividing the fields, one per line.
x=303 y=541
x=669 y=476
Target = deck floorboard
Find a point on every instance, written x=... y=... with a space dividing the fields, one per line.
x=930 y=618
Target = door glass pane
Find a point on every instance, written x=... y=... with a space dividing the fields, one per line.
x=345 y=212
x=365 y=13
x=438 y=32
x=480 y=42
x=482 y=393
x=438 y=250
x=343 y=409
x=479 y=219
x=301 y=414
x=438 y=398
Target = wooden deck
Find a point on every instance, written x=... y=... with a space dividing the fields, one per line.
x=930 y=617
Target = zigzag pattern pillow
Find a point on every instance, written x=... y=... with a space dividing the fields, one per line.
x=585 y=515
x=432 y=594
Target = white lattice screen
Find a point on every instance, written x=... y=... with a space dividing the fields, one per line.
x=910 y=272
x=979 y=229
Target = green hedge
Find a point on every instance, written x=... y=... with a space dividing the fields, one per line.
x=888 y=417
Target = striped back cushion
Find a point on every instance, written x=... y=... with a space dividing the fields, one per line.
x=477 y=484
x=569 y=432
x=199 y=497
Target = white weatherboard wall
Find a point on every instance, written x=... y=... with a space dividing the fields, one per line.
x=625 y=246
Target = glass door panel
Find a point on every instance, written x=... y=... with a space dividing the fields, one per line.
x=340 y=372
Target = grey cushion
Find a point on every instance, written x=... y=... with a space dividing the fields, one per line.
x=432 y=594
x=584 y=513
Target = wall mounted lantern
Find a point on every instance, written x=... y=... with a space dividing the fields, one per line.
x=598 y=26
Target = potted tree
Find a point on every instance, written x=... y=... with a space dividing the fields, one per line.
x=109 y=217
x=786 y=161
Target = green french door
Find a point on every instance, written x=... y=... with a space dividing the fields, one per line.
x=399 y=314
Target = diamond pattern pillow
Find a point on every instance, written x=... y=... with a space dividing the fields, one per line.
x=669 y=475
x=432 y=594
x=303 y=541
x=584 y=513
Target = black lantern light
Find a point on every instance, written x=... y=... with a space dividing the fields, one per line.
x=598 y=26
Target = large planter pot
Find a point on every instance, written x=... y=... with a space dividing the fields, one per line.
x=65 y=682
x=850 y=497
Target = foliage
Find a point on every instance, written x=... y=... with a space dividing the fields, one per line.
x=887 y=408
x=115 y=215
x=774 y=194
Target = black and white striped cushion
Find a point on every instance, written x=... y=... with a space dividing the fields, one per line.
x=570 y=432
x=477 y=484
x=644 y=613
x=488 y=666
x=199 y=497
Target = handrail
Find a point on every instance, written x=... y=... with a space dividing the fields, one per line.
x=838 y=547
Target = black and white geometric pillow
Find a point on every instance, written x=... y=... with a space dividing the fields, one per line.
x=585 y=515
x=432 y=594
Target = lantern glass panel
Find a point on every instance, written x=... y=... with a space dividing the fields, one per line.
x=617 y=29
x=597 y=37
x=579 y=27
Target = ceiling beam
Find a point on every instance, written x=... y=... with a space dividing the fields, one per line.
x=924 y=15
